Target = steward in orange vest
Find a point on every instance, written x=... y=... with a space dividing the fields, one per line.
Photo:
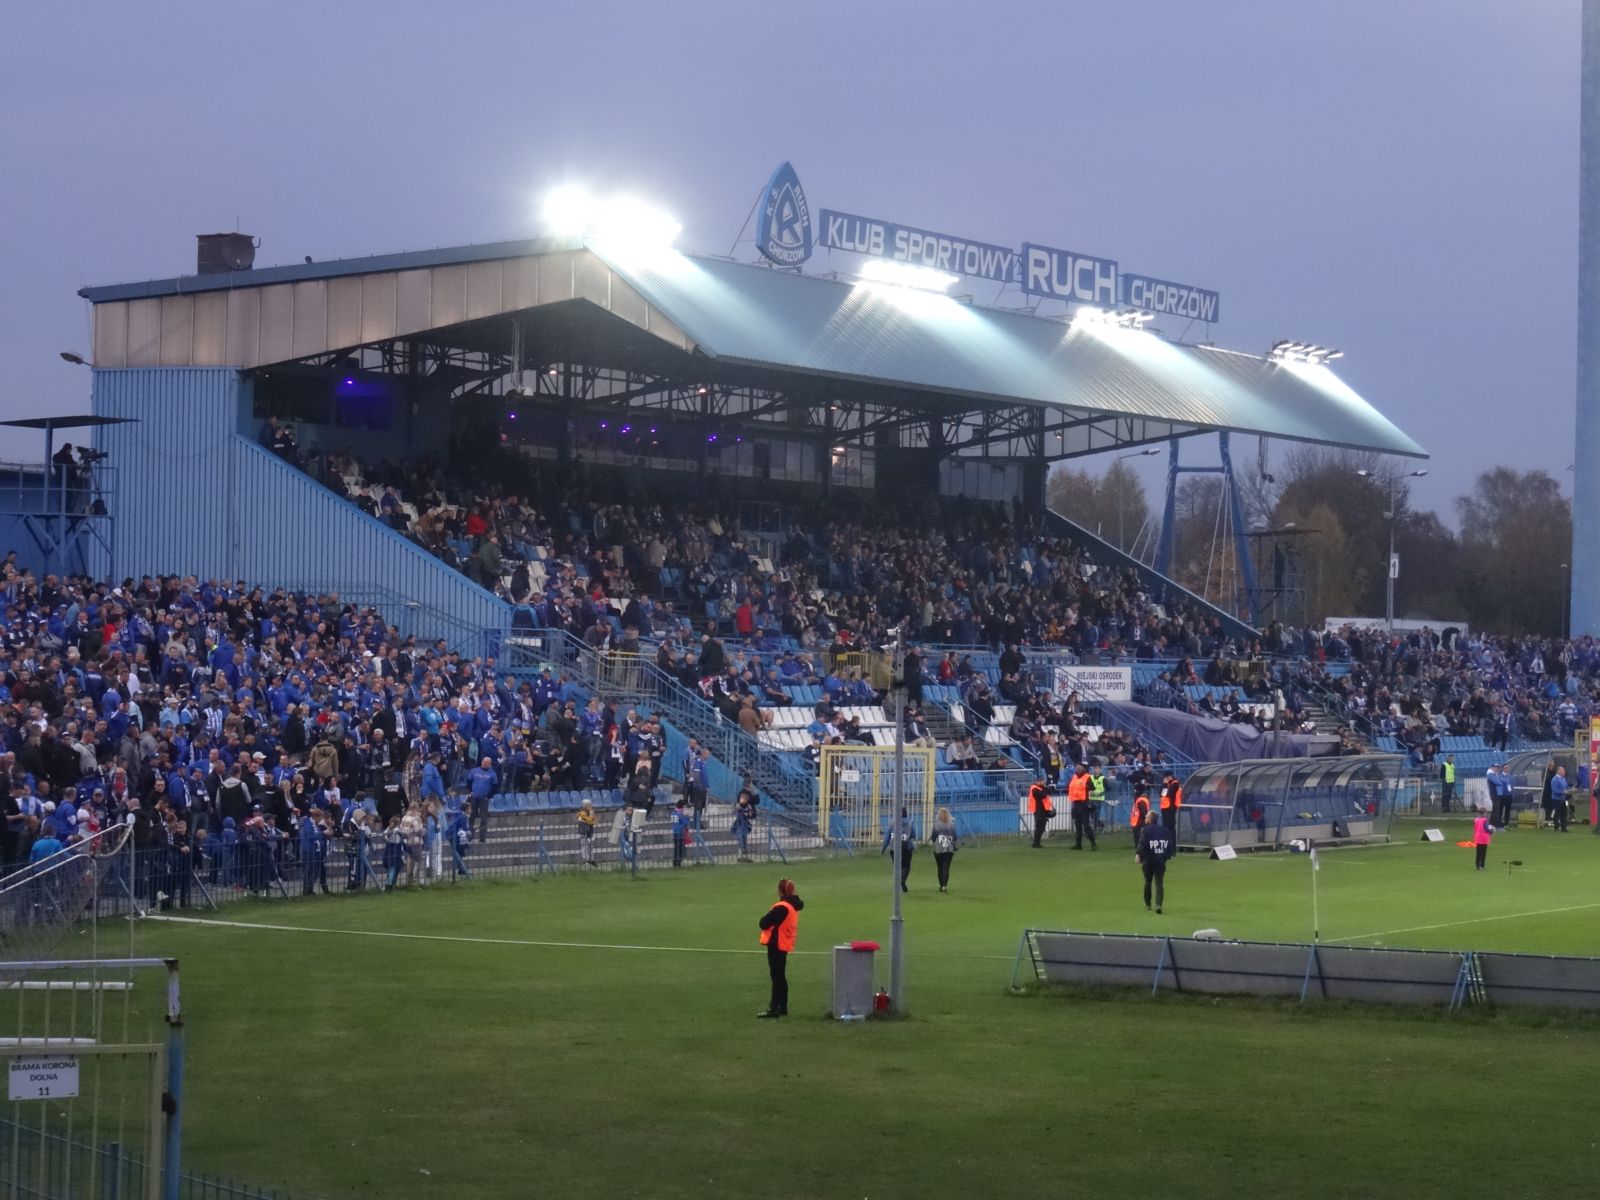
x=1141 y=805
x=1171 y=800
x=778 y=929
x=1082 y=821
x=1041 y=808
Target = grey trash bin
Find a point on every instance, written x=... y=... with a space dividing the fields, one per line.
x=852 y=981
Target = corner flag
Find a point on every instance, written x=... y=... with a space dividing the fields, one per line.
x=1315 y=865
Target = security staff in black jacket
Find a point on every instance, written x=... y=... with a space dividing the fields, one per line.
x=1156 y=845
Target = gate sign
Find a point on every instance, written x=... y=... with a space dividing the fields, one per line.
x=1100 y=683
x=47 y=1077
x=1162 y=296
x=920 y=247
x=1068 y=275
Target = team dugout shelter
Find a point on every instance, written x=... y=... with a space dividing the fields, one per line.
x=641 y=357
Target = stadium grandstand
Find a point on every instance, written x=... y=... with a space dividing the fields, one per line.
x=524 y=527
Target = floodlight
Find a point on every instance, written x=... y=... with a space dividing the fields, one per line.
x=1132 y=318
x=568 y=210
x=1309 y=353
x=899 y=274
x=632 y=224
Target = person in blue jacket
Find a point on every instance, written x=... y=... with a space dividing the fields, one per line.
x=313 y=853
x=1558 y=799
x=228 y=852
x=680 y=832
x=432 y=780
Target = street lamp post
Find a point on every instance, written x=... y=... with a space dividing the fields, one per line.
x=1389 y=565
x=1145 y=453
x=1566 y=601
x=897 y=932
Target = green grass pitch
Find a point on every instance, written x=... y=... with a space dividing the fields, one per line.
x=338 y=1064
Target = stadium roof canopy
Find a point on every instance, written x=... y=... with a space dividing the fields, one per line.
x=837 y=358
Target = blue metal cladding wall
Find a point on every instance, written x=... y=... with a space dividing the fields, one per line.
x=197 y=498
x=175 y=501
x=295 y=532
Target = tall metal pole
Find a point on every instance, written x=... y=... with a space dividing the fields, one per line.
x=896 y=920
x=1584 y=588
x=1388 y=567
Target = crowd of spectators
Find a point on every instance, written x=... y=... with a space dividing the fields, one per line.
x=1419 y=686
x=238 y=730
x=949 y=571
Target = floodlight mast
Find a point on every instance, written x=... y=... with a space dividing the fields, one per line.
x=896 y=919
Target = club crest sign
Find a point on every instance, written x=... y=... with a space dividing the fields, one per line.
x=783 y=224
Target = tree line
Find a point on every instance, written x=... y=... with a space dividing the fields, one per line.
x=1324 y=549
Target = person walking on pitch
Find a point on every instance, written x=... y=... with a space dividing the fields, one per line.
x=778 y=929
x=945 y=843
x=1141 y=809
x=1156 y=845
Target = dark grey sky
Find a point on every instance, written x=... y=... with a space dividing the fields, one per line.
x=1394 y=177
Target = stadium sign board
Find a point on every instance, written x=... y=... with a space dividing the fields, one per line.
x=783 y=224
x=919 y=247
x=1103 y=683
x=785 y=237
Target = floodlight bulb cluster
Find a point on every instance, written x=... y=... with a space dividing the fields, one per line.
x=907 y=275
x=622 y=221
x=1285 y=350
x=1130 y=318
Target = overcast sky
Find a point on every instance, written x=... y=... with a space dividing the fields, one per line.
x=1393 y=177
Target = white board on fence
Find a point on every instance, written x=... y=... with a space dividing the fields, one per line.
x=44 y=1077
x=1224 y=853
x=1098 y=683
x=1432 y=835
x=848 y=776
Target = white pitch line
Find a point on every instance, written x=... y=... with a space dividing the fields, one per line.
x=1542 y=912
x=485 y=941
x=440 y=937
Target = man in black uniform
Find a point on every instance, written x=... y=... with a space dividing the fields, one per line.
x=1156 y=845
x=1040 y=806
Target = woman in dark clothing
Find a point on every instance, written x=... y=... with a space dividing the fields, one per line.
x=944 y=846
x=778 y=929
x=908 y=844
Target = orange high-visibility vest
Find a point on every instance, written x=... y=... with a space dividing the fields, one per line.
x=1039 y=799
x=1078 y=789
x=1172 y=797
x=785 y=929
x=1141 y=805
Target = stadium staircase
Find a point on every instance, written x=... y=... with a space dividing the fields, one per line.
x=634 y=679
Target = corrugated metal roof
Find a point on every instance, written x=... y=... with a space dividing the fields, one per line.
x=892 y=335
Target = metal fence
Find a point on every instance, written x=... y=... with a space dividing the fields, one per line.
x=37 y=1163
x=140 y=880
x=1308 y=971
